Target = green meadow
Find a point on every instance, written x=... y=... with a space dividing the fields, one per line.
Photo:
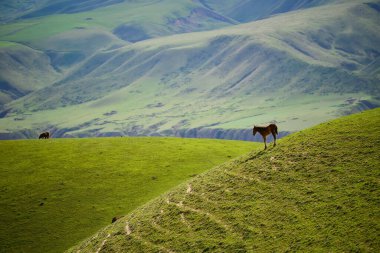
x=316 y=191
x=148 y=16
x=56 y=192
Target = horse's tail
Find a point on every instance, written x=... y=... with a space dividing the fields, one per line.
x=275 y=129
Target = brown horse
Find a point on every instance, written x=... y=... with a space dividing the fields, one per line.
x=264 y=131
x=44 y=135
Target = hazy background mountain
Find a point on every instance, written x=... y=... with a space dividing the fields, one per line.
x=188 y=68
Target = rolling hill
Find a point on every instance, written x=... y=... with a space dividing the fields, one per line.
x=57 y=192
x=250 y=10
x=318 y=190
x=189 y=68
x=67 y=32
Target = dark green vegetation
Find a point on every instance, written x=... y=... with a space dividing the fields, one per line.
x=56 y=192
x=317 y=191
x=164 y=67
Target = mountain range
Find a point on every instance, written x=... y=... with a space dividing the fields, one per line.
x=201 y=68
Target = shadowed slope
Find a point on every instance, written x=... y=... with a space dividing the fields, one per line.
x=248 y=10
x=11 y=10
x=66 y=32
x=23 y=70
x=318 y=190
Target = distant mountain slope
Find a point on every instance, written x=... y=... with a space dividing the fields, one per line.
x=23 y=70
x=239 y=10
x=153 y=18
x=68 y=6
x=68 y=32
x=318 y=190
x=156 y=18
x=24 y=9
x=10 y=10
x=249 y=10
x=297 y=69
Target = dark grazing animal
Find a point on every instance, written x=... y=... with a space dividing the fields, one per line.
x=114 y=219
x=44 y=135
x=264 y=131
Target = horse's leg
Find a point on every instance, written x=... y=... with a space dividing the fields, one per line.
x=274 y=137
x=265 y=141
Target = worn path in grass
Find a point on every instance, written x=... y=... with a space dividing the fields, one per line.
x=317 y=191
x=57 y=192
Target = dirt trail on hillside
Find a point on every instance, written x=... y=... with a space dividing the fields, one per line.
x=103 y=243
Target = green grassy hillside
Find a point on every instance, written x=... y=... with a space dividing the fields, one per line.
x=56 y=192
x=54 y=38
x=152 y=18
x=23 y=9
x=243 y=11
x=317 y=191
x=248 y=10
x=23 y=70
x=298 y=69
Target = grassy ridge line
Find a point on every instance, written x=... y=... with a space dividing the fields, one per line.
x=56 y=192
x=317 y=191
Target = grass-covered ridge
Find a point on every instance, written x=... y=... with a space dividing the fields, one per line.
x=317 y=191
x=56 y=192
